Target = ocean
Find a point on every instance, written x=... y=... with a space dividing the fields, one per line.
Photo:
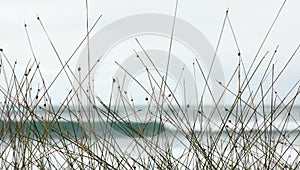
x=142 y=131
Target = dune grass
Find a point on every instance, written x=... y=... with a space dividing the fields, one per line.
x=249 y=134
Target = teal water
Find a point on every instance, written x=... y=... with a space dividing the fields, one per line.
x=34 y=128
x=285 y=121
x=134 y=129
x=58 y=129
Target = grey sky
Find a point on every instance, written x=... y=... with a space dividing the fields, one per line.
x=65 y=22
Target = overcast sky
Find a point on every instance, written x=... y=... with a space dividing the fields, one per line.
x=65 y=22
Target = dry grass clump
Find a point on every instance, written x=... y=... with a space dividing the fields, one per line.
x=247 y=134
